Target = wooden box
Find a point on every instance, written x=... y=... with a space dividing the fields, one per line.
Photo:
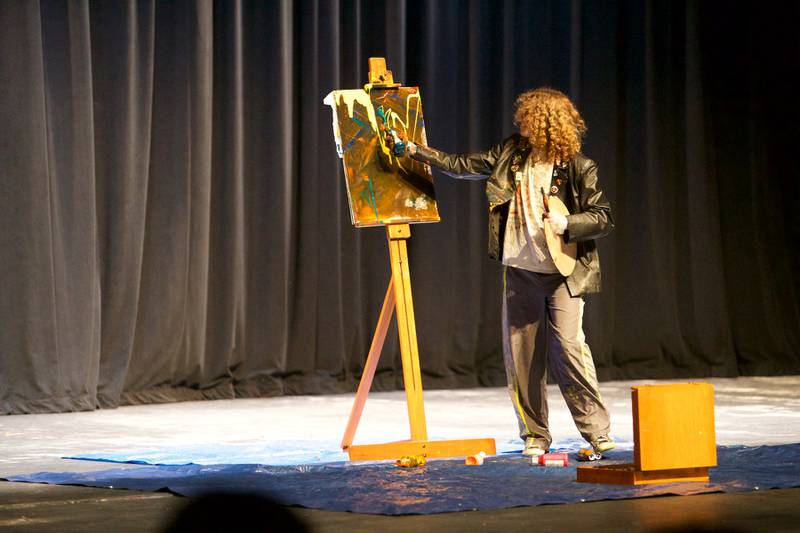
x=673 y=435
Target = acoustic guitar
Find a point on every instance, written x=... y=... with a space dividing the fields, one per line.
x=564 y=254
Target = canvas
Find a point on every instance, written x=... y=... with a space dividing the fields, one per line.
x=381 y=187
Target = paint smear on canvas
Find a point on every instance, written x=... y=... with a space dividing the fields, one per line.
x=381 y=187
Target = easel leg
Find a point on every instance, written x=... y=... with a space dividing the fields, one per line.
x=369 y=368
x=399 y=295
x=406 y=326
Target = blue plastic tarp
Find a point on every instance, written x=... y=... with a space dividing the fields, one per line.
x=441 y=486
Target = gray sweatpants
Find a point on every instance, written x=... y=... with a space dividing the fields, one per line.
x=543 y=327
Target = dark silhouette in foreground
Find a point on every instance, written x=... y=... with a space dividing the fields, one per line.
x=234 y=512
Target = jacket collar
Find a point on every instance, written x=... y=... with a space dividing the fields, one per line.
x=521 y=152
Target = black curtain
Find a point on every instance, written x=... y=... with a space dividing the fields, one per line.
x=173 y=220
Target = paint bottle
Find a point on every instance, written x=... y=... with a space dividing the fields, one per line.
x=552 y=459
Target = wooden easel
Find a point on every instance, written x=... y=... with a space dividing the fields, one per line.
x=398 y=295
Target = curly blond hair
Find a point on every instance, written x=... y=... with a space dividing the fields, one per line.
x=551 y=124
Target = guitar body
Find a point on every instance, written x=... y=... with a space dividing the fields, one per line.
x=564 y=254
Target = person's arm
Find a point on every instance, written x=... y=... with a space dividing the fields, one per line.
x=595 y=219
x=478 y=165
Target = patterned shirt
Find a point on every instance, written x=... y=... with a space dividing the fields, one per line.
x=524 y=244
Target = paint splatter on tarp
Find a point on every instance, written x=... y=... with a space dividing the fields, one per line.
x=381 y=187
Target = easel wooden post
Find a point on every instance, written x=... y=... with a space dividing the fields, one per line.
x=398 y=295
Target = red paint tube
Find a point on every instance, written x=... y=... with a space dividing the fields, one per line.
x=554 y=459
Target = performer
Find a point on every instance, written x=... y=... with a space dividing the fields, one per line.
x=542 y=310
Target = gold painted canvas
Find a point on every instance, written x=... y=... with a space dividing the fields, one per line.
x=381 y=187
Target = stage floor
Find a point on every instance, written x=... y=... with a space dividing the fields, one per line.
x=749 y=411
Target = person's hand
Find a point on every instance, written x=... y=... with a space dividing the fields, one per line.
x=404 y=145
x=398 y=144
x=557 y=221
x=388 y=140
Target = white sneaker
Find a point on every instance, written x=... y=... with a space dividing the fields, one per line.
x=533 y=448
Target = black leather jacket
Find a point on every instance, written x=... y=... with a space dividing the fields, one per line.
x=577 y=186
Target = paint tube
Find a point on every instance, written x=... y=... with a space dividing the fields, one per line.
x=552 y=459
